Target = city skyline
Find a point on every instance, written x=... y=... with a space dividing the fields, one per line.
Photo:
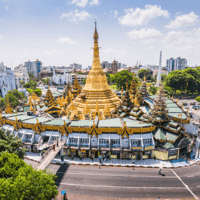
x=61 y=33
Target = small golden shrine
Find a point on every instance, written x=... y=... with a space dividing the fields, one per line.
x=96 y=90
x=8 y=109
x=76 y=89
x=48 y=98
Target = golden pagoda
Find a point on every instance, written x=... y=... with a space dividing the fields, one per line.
x=8 y=109
x=48 y=98
x=96 y=89
x=76 y=89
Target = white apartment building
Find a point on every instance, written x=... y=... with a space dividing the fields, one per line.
x=21 y=76
x=7 y=80
x=61 y=79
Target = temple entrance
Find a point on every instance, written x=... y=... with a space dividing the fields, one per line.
x=183 y=152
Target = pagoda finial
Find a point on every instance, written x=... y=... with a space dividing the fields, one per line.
x=127 y=86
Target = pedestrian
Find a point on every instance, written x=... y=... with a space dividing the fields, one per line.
x=72 y=156
x=104 y=157
x=158 y=198
x=57 y=142
x=154 y=158
x=160 y=169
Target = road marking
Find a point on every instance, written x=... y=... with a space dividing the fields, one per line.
x=137 y=176
x=184 y=184
x=111 y=186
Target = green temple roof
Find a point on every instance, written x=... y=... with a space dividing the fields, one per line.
x=82 y=123
x=168 y=145
x=34 y=120
x=57 y=122
x=171 y=136
x=116 y=122
x=159 y=134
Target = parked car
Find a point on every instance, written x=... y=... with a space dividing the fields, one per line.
x=196 y=107
x=193 y=103
x=185 y=104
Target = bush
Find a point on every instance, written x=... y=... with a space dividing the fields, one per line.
x=197 y=99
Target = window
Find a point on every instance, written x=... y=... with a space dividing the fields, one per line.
x=84 y=140
x=103 y=142
x=28 y=136
x=147 y=141
x=73 y=140
x=136 y=142
x=116 y=142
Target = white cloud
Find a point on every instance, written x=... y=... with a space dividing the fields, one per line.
x=80 y=3
x=182 y=40
x=1 y=36
x=64 y=40
x=83 y=3
x=7 y=8
x=76 y=15
x=184 y=20
x=115 y=13
x=94 y=2
x=144 y=35
x=142 y=16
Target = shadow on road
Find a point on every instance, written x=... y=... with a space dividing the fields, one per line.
x=61 y=173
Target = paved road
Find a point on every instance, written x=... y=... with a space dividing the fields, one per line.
x=122 y=183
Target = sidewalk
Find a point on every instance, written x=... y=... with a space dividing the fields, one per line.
x=150 y=163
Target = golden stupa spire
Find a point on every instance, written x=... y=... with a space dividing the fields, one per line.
x=96 y=87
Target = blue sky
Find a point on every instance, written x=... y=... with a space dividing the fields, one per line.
x=60 y=32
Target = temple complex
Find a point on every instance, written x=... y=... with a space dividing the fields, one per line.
x=130 y=124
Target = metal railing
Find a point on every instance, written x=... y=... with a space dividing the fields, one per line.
x=47 y=151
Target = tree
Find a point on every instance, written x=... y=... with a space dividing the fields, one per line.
x=108 y=77
x=46 y=81
x=180 y=80
x=197 y=99
x=122 y=77
x=20 y=181
x=15 y=97
x=10 y=143
x=153 y=89
x=2 y=103
x=84 y=81
x=144 y=72
x=31 y=84
x=37 y=91
x=194 y=72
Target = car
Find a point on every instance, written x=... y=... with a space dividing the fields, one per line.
x=193 y=103
x=196 y=107
x=185 y=104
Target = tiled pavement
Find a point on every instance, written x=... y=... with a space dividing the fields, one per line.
x=119 y=162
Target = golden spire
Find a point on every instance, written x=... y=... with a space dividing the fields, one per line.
x=96 y=87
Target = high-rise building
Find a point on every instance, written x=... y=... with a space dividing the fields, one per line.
x=7 y=80
x=176 y=64
x=75 y=66
x=34 y=67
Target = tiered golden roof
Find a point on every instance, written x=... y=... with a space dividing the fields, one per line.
x=8 y=109
x=96 y=88
x=48 y=98
x=76 y=89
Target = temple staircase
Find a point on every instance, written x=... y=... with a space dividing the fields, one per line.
x=50 y=154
